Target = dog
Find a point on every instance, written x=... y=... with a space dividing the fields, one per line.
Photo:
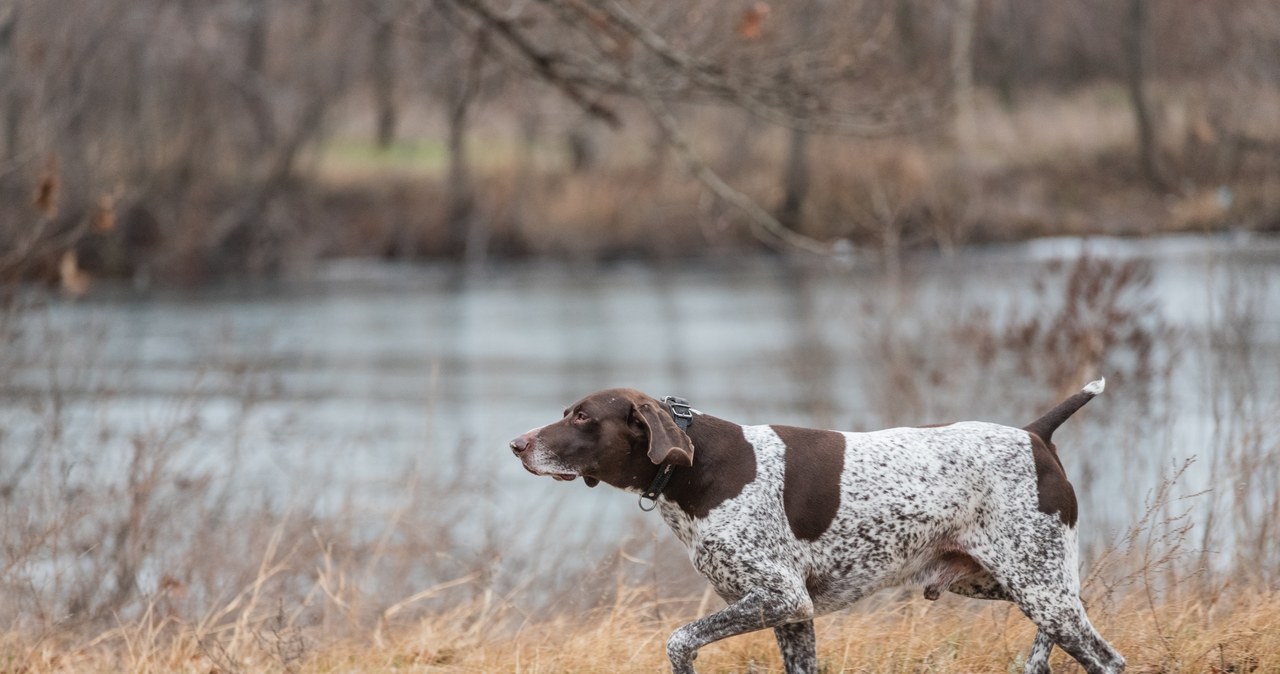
x=790 y=523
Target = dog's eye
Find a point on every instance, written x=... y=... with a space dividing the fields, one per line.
x=581 y=417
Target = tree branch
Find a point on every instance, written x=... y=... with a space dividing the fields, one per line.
x=763 y=225
x=544 y=63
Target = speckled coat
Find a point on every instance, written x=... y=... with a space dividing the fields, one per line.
x=789 y=523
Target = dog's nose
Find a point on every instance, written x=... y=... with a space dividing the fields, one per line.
x=522 y=443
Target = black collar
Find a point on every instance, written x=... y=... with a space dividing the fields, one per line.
x=683 y=415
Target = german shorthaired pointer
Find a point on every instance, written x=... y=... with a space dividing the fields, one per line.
x=790 y=523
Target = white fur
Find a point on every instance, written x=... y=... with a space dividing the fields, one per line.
x=1095 y=387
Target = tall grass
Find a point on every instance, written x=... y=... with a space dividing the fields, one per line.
x=1231 y=632
x=123 y=550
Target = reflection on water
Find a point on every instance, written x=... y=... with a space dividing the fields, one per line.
x=330 y=389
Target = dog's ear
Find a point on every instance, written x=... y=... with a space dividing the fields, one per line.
x=667 y=443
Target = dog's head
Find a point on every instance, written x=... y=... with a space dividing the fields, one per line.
x=616 y=436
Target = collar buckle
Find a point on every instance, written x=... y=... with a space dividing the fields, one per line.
x=680 y=409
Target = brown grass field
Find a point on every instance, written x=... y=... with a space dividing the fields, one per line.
x=1234 y=630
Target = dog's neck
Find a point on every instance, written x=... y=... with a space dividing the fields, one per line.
x=723 y=463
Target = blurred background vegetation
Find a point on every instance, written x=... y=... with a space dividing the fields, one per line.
x=180 y=142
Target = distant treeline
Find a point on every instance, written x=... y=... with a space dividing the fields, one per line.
x=188 y=140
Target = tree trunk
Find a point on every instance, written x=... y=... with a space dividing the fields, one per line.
x=9 y=96
x=796 y=180
x=962 y=76
x=948 y=231
x=461 y=197
x=1135 y=38
x=255 y=48
x=904 y=22
x=468 y=234
x=255 y=57
x=530 y=125
x=584 y=150
x=795 y=183
x=384 y=79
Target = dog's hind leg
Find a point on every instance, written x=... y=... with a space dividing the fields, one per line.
x=981 y=585
x=1046 y=587
x=1067 y=625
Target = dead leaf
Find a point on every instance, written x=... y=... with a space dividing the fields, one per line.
x=752 y=23
x=104 y=216
x=75 y=282
x=46 y=200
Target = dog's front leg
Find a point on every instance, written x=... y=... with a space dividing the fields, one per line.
x=759 y=609
x=799 y=649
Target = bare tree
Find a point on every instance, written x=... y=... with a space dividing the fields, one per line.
x=962 y=75
x=385 y=18
x=206 y=119
x=9 y=97
x=1135 y=47
x=827 y=79
x=461 y=78
x=795 y=184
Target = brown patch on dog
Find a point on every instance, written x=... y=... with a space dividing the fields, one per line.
x=725 y=464
x=1056 y=494
x=811 y=479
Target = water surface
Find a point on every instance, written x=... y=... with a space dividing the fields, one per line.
x=326 y=391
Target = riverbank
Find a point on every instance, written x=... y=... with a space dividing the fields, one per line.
x=1050 y=165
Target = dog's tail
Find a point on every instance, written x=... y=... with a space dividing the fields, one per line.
x=1047 y=424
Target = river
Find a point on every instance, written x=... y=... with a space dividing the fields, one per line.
x=321 y=392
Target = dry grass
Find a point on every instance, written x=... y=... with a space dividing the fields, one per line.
x=1233 y=631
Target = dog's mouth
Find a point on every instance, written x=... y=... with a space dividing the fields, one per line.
x=569 y=477
x=561 y=477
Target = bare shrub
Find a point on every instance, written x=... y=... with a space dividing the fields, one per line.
x=1102 y=320
x=1092 y=317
